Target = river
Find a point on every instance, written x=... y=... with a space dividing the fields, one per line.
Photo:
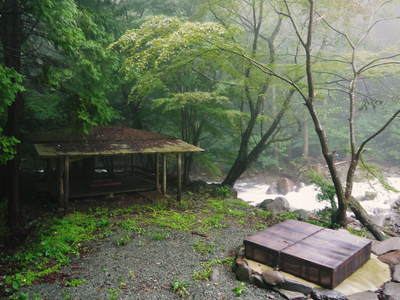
x=305 y=198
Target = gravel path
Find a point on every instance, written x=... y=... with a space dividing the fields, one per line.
x=144 y=268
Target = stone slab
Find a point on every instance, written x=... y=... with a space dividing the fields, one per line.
x=364 y=296
x=370 y=277
x=386 y=246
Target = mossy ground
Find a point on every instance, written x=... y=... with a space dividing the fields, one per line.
x=121 y=220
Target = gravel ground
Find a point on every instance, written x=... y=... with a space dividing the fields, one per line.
x=144 y=268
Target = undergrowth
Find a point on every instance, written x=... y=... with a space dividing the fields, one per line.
x=59 y=239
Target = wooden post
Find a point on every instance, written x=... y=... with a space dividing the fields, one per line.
x=60 y=180
x=164 y=183
x=66 y=182
x=179 y=175
x=158 y=187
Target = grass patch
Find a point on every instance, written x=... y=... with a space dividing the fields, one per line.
x=158 y=235
x=130 y=225
x=123 y=240
x=204 y=247
x=205 y=272
x=180 y=288
x=57 y=240
x=75 y=282
x=180 y=221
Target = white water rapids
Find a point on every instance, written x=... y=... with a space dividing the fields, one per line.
x=305 y=198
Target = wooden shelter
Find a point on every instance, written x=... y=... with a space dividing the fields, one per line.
x=64 y=149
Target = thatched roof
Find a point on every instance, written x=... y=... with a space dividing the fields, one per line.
x=111 y=140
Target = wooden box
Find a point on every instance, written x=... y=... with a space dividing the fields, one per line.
x=323 y=256
x=266 y=246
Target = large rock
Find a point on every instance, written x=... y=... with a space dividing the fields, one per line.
x=258 y=281
x=391 y=291
x=278 y=205
x=396 y=273
x=391 y=258
x=296 y=286
x=364 y=296
x=243 y=270
x=385 y=246
x=272 y=189
x=327 y=295
x=368 y=195
x=273 y=277
x=284 y=186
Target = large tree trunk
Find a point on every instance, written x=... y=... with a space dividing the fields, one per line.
x=363 y=217
x=11 y=37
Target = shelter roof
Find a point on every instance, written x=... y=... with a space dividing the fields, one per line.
x=108 y=140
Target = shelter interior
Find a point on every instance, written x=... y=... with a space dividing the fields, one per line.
x=109 y=160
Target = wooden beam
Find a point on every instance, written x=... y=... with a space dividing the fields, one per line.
x=179 y=175
x=158 y=186
x=60 y=180
x=164 y=182
x=66 y=182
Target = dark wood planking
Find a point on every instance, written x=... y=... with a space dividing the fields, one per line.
x=282 y=235
x=265 y=246
x=317 y=254
x=327 y=247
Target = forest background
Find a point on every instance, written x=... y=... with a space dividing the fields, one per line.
x=247 y=80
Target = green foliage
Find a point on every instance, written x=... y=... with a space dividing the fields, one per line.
x=223 y=191
x=7 y=147
x=57 y=241
x=180 y=288
x=375 y=172
x=158 y=235
x=10 y=85
x=172 y=220
x=327 y=192
x=130 y=224
x=204 y=247
x=240 y=289
x=205 y=272
x=26 y=296
x=123 y=240
x=113 y=294
x=75 y=282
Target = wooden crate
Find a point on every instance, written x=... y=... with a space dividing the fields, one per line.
x=266 y=246
x=323 y=256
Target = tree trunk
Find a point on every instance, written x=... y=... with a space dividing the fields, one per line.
x=237 y=169
x=306 y=136
x=363 y=217
x=11 y=37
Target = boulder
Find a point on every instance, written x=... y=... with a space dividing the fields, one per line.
x=369 y=195
x=215 y=274
x=327 y=295
x=278 y=205
x=284 y=186
x=364 y=296
x=243 y=271
x=272 y=189
x=385 y=246
x=303 y=214
x=391 y=291
x=273 y=277
x=391 y=258
x=396 y=273
x=258 y=281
